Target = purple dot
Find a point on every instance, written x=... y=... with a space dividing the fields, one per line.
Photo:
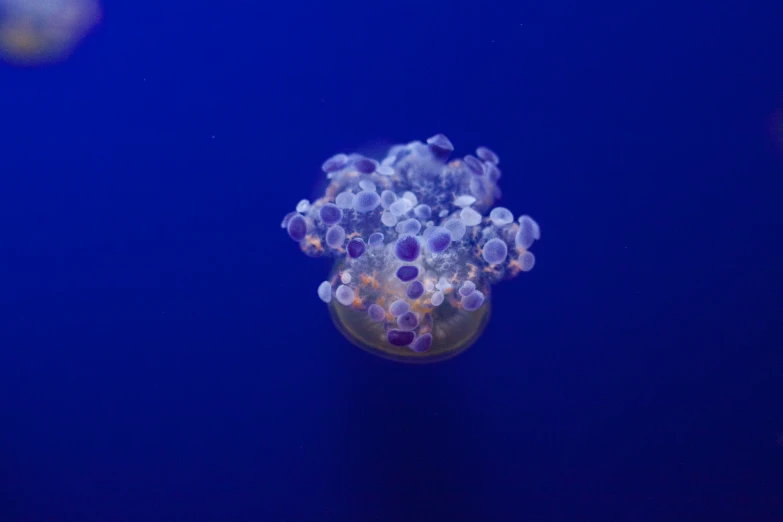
x=495 y=251
x=409 y=226
x=366 y=200
x=407 y=273
x=466 y=288
x=407 y=321
x=297 y=228
x=387 y=198
x=399 y=307
x=422 y=343
x=335 y=236
x=439 y=240
x=473 y=163
x=487 y=155
x=399 y=337
x=287 y=218
x=330 y=214
x=365 y=165
x=407 y=248
x=440 y=146
x=415 y=290
x=441 y=141
x=356 y=247
x=376 y=312
x=527 y=232
x=334 y=163
x=423 y=211
x=473 y=301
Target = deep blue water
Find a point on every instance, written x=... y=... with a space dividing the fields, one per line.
x=163 y=356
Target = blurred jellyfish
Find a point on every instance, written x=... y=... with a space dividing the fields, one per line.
x=34 y=32
x=417 y=246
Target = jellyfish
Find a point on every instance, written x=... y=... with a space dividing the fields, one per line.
x=417 y=244
x=35 y=32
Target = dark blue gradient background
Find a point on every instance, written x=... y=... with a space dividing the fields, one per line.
x=163 y=354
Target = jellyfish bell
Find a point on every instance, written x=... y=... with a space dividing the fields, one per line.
x=451 y=328
x=417 y=246
x=35 y=32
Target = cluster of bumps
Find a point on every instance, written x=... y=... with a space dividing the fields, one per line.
x=412 y=234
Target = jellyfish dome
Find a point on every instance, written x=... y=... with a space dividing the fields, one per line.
x=417 y=245
x=36 y=32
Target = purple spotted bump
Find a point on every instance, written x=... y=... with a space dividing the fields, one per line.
x=335 y=236
x=297 y=228
x=415 y=290
x=287 y=218
x=407 y=248
x=399 y=307
x=423 y=211
x=330 y=214
x=409 y=226
x=487 y=155
x=356 y=247
x=467 y=287
x=422 y=343
x=399 y=337
x=439 y=240
x=407 y=321
x=376 y=312
x=365 y=165
x=407 y=273
x=366 y=200
x=440 y=146
x=473 y=163
x=473 y=301
x=334 y=163
x=495 y=251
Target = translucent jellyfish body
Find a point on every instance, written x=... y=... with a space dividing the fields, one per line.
x=417 y=245
x=37 y=32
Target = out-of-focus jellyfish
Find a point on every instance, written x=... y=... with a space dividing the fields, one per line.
x=416 y=247
x=36 y=32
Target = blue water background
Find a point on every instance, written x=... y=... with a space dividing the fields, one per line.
x=163 y=355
